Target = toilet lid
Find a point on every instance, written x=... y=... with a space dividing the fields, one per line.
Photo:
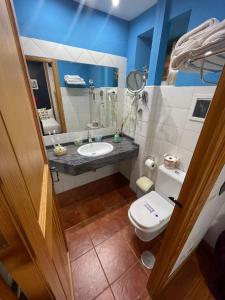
x=151 y=210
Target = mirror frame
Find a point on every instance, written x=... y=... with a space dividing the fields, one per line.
x=53 y=63
x=143 y=83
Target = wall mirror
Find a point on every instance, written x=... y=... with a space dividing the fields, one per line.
x=72 y=97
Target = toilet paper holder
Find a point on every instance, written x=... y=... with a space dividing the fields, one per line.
x=150 y=163
x=152 y=158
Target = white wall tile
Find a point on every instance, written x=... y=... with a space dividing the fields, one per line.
x=193 y=125
x=169 y=128
x=162 y=114
x=68 y=182
x=204 y=90
x=73 y=52
x=177 y=117
x=42 y=48
x=184 y=158
x=122 y=80
x=172 y=134
x=30 y=47
x=158 y=130
x=189 y=140
x=168 y=148
x=177 y=96
x=142 y=128
x=86 y=58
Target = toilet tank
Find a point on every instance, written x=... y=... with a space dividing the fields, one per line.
x=169 y=182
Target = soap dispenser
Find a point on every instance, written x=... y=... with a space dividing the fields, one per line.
x=117 y=138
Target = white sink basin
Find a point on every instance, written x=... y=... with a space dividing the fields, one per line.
x=95 y=149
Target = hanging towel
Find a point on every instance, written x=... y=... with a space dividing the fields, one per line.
x=193 y=38
x=196 y=44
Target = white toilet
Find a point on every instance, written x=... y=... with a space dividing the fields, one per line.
x=151 y=213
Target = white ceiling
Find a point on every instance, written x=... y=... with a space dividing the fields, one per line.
x=127 y=9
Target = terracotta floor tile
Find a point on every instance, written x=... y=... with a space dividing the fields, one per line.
x=112 y=183
x=79 y=242
x=70 y=217
x=127 y=193
x=88 y=277
x=103 y=229
x=121 y=214
x=84 y=204
x=138 y=246
x=91 y=207
x=112 y=199
x=131 y=285
x=135 y=243
x=115 y=256
x=65 y=198
x=106 y=295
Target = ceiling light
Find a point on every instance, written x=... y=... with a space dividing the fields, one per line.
x=115 y=2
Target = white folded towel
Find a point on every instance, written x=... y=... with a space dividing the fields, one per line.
x=72 y=77
x=76 y=83
x=194 y=37
x=74 y=80
x=209 y=36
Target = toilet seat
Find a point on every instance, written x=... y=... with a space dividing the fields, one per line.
x=150 y=212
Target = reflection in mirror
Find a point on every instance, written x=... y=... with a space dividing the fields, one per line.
x=89 y=95
x=135 y=82
x=73 y=97
x=45 y=85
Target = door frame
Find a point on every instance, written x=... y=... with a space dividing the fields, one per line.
x=206 y=164
x=53 y=63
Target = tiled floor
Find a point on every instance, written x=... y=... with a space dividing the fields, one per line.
x=84 y=204
x=105 y=252
x=105 y=259
x=104 y=249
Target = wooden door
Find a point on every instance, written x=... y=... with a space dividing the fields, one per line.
x=206 y=164
x=40 y=256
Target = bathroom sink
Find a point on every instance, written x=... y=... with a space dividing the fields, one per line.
x=95 y=149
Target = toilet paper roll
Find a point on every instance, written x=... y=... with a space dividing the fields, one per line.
x=150 y=164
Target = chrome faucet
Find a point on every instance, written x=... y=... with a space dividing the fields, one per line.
x=89 y=135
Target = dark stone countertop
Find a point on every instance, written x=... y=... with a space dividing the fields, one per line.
x=74 y=164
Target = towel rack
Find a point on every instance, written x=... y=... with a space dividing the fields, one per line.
x=211 y=62
x=202 y=74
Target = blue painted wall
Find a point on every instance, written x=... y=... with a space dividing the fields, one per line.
x=102 y=76
x=193 y=13
x=64 y=21
x=139 y=26
x=143 y=51
x=159 y=42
